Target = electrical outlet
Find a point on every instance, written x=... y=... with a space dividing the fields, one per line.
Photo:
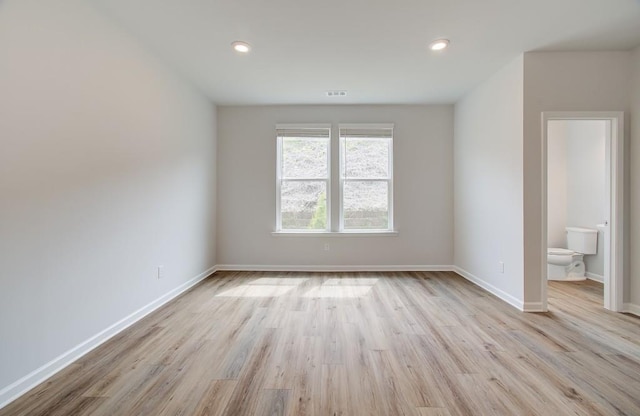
x=160 y=272
x=501 y=266
x=326 y=246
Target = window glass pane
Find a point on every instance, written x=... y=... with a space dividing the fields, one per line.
x=304 y=205
x=304 y=158
x=365 y=158
x=366 y=205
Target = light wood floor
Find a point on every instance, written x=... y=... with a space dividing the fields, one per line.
x=409 y=343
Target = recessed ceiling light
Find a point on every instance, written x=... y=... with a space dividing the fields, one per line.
x=439 y=44
x=240 y=46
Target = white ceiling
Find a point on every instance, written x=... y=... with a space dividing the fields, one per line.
x=374 y=49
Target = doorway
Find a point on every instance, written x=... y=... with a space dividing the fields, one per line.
x=609 y=227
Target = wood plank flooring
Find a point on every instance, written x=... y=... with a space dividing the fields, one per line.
x=411 y=343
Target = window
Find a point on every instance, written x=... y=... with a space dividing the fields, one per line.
x=363 y=177
x=303 y=178
x=366 y=177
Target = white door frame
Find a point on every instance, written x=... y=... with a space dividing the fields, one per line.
x=613 y=275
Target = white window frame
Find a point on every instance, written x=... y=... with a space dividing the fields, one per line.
x=280 y=178
x=343 y=180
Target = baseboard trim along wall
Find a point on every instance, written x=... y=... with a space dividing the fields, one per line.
x=332 y=268
x=511 y=300
x=26 y=383
x=631 y=308
x=533 y=307
x=596 y=277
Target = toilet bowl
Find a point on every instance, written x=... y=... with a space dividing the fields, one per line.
x=567 y=263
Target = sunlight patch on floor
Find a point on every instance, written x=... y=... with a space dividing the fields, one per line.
x=264 y=287
x=286 y=281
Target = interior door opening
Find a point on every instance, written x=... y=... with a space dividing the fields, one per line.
x=582 y=201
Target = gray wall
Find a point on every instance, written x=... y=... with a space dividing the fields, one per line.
x=423 y=188
x=488 y=183
x=107 y=169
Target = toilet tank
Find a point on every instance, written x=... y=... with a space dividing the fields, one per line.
x=582 y=240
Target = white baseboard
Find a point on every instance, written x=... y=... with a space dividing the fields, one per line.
x=511 y=300
x=631 y=308
x=596 y=277
x=533 y=307
x=332 y=268
x=26 y=383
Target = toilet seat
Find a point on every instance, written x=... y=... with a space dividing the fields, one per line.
x=560 y=251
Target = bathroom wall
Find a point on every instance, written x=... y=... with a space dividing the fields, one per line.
x=586 y=182
x=576 y=183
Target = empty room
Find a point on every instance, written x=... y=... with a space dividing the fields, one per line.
x=216 y=207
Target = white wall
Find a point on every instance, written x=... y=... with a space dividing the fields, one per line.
x=423 y=188
x=561 y=81
x=634 y=274
x=488 y=183
x=107 y=169
x=557 y=184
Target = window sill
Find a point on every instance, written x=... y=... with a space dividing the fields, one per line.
x=335 y=234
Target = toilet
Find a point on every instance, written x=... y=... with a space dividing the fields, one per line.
x=567 y=263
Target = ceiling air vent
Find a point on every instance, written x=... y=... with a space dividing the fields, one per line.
x=336 y=93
